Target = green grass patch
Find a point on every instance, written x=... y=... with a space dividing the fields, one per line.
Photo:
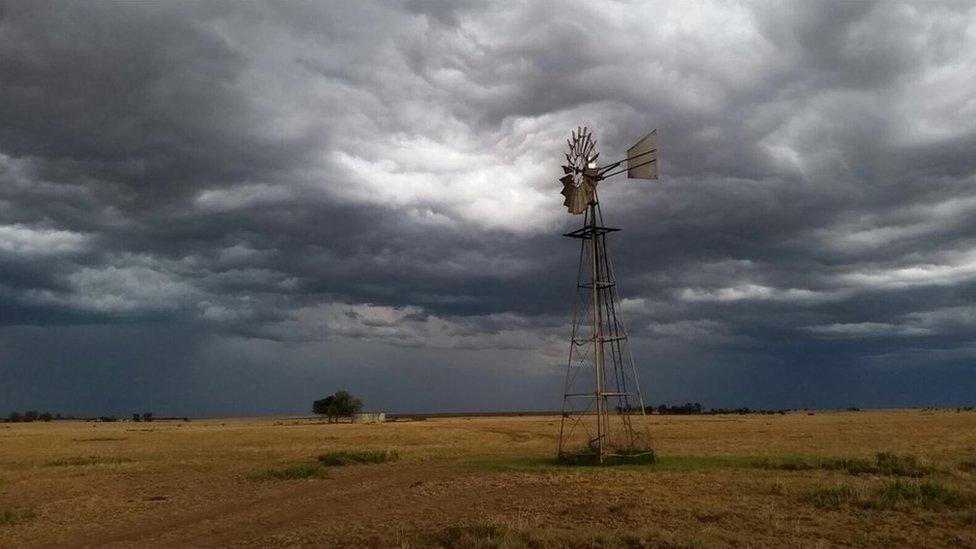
x=297 y=472
x=659 y=463
x=87 y=460
x=896 y=465
x=634 y=458
x=483 y=535
x=357 y=457
x=900 y=495
x=883 y=464
x=320 y=467
x=10 y=517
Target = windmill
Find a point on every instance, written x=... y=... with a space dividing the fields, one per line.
x=601 y=389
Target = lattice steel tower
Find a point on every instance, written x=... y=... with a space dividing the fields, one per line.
x=602 y=390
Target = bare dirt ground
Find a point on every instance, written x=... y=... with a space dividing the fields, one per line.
x=488 y=482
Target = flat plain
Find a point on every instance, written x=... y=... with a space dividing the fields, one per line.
x=870 y=478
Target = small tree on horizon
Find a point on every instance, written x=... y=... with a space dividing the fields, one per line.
x=340 y=404
x=321 y=406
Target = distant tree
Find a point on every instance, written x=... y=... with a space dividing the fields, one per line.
x=147 y=416
x=340 y=404
x=344 y=404
x=30 y=415
x=321 y=406
x=45 y=416
x=136 y=417
x=15 y=417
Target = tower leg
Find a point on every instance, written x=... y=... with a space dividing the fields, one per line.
x=602 y=419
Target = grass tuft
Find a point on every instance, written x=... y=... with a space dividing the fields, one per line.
x=87 y=460
x=297 y=472
x=912 y=495
x=900 y=465
x=357 y=457
x=836 y=497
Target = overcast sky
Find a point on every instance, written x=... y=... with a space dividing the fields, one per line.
x=235 y=208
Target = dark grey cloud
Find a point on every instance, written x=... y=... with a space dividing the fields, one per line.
x=304 y=179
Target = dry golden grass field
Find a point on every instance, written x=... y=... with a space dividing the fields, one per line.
x=781 y=480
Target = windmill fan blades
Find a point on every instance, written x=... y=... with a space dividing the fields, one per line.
x=577 y=198
x=579 y=181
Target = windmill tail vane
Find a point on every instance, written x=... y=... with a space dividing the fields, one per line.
x=601 y=390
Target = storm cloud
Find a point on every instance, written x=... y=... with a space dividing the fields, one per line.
x=227 y=208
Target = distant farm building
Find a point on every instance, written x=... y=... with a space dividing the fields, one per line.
x=369 y=417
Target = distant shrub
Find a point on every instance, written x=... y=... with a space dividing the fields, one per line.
x=339 y=404
x=688 y=408
x=347 y=457
x=29 y=416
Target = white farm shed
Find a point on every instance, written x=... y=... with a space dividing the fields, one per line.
x=369 y=417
